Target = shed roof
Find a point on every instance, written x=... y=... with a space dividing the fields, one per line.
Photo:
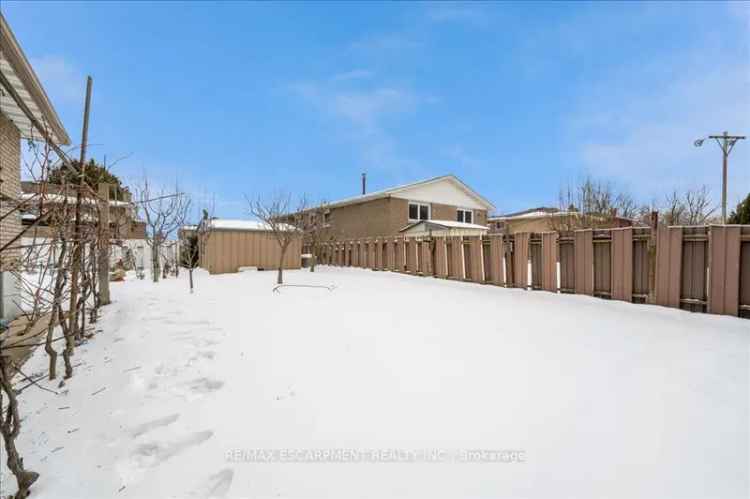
x=245 y=225
x=234 y=224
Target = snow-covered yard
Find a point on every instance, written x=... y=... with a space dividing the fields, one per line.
x=603 y=399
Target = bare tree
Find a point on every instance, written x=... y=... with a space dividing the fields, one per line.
x=193 y=241
x=593 y=203
x=691 y=207
x=31 y=262
x=48 y=258
x=164 y=211
x=285 y=224
x=314 y=226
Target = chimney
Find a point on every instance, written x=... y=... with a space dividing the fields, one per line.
x=364 y=184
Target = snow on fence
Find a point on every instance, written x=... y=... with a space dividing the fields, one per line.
x=700 y=269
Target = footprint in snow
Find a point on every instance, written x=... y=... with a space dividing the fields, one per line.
x=217 y=486
x=203 y=386
x=151 y=454
x=143 y=428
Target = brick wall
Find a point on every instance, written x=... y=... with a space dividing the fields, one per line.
x=10 y=186
x=379 y=217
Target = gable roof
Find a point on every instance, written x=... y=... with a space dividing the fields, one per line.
x=16 y=70
x=401 y=188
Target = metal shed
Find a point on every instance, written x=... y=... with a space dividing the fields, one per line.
x=233 y=244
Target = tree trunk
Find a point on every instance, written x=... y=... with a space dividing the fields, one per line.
x=55 y=316
x=155 y=269
x=280 y=276
x=190 y=272
x=104 y=297
x=10 y=426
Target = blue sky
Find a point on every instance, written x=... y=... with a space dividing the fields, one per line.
x=517 y=99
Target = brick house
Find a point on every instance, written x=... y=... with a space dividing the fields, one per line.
x=386 y=212
x=21 y=95
x=123 y=220
x=545 y=219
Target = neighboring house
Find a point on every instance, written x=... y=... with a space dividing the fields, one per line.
x=21 y=98
x=128 y=233
x=387 y=212
x=545 y=219
x=123 y=220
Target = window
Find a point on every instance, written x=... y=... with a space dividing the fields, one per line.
x=464 y=216
x=327 y=217
x=419 y=211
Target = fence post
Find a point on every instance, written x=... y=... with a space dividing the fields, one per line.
x=668 y=266
x=475 y=247
x=496 y=259
x=584 y=262
x=441 y=265
x=521 y=259
x=652 y=258
x=549 y=261
x=622 y=264
x=410 y=245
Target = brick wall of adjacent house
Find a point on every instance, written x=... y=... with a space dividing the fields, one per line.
x=385 y=217
x=10 y=186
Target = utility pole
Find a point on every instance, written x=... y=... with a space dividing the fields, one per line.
x=726 y=143
x=77 y=243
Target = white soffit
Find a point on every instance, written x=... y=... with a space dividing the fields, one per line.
x=12 y=60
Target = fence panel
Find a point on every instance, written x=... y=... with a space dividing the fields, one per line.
x=390 y=254
x=602 y=266
x=584 y=262
x=622 y=264
x=640 y=270
x=745 y=274
x=496 y=260
x=694 y=271
x=549 y=261
x=457 y=260
x=668 y=266
x=428 y=257
x=566 y=249
x=508 y=246
x=724 y=297
x=378 y=245
x=441 y=263
x=467 y=259
x=475 y=248
x=411 y=256
x=355 y=254
x=521 y=260
x=486 y=260
x=535 y=256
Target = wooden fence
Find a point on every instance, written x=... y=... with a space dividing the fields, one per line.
x=700 y=269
